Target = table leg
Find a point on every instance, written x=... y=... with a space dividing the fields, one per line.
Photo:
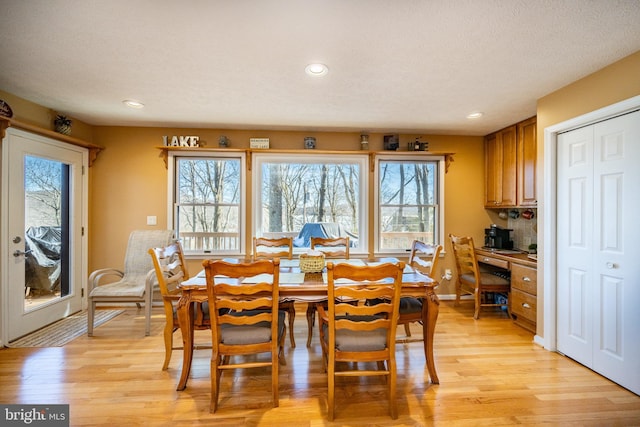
x=430 y=309
x=185 y=319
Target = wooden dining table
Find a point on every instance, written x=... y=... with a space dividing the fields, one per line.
x=310 y=287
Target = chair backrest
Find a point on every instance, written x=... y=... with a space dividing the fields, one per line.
x=170 y=268
x=337 y=247
x=465 y=256
x=272 y=248
x=380 y=286
x=424 y=257
x=137 y=262
x=240 y=287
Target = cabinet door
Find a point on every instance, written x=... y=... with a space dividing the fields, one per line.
x=527 y=143
x=493 y=171
x=509 y=157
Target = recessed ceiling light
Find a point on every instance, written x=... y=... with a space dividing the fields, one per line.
x=475 y=115
x=316 y=69
x=133 y=104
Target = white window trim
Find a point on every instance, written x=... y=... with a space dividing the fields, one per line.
x=363 y=161
x=171 y=194
x=376 y=201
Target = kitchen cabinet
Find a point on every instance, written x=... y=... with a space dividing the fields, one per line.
x=526 y=162
x=510 y=166
x=523 y=298
x=524 y=290
x=500 y=166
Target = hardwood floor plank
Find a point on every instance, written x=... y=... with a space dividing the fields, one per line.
x=491 y=373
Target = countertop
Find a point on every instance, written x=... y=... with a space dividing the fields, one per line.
x=517 y=257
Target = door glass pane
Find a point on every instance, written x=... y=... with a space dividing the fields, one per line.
x=46 y=231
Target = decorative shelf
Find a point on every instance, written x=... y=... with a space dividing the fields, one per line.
x=94 y=149
x=249 y=151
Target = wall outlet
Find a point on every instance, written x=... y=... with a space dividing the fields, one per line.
x=447 y=274
x=152 y=220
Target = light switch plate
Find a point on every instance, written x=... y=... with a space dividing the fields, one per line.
x=152 y=220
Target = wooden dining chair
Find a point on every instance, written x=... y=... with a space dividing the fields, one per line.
x=423 y=258
x=170 y=270
x=331 y=248
x=245 y=319
x=366 y=333
x=265 y=248
x=473 y=281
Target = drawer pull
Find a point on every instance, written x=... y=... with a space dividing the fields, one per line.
x=487 y=260
x=525 y=305
x=526 y=279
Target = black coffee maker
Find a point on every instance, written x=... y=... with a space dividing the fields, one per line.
x=497 y=238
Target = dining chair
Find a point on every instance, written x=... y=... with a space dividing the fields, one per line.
x=473 y=281
x=245 y=320
x=359 y=332
x=132 y=284
x=423 y=258
x=266 y=248
x=170 y=269
x=337 y=247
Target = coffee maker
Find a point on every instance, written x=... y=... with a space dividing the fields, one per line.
x=497 y=238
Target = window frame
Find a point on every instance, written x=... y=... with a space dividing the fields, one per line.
x=258 y=159
x=172 y=194
x=439 y=221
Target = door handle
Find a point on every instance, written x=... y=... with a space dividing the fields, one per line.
x=19 y=253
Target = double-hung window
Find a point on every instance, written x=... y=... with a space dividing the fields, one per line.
x=408 y=202
x=207 y=210
x=305 y=196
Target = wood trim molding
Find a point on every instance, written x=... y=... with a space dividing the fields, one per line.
x=94 y=149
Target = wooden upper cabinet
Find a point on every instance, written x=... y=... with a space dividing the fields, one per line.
x=510 y=165
x=500 y=167
x=527 y=143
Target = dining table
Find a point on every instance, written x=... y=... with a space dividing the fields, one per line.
x=298 y=286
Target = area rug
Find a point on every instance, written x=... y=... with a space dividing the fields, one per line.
x=63 y=331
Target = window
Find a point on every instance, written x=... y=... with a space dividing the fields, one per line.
x=303 y=196
x=207 y=194
x=408 y=200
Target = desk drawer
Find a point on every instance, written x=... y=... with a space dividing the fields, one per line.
x=524 y=278
x=523 y=305
x=496 y=262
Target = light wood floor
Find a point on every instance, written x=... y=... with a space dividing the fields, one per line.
x=490 y=374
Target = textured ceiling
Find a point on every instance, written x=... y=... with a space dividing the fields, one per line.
x=394 y=66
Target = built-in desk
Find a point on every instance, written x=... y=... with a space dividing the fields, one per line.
x=524 y=288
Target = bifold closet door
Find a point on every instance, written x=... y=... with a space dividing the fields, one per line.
x=598 y=274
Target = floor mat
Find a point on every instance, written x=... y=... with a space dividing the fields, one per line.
x=63 y=331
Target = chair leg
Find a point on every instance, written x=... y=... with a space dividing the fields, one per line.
x=274 y=380
x=393 y=404
x=331 y=380
x=477 y=297
x=311 y=317
x=168 y=344
x=90 y=312
x=215 y=382
x=407 y=330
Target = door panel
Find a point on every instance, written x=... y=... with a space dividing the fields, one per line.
x=44 y=243
x=598 y=269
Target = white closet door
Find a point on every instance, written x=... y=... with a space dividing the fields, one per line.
x=599 y=248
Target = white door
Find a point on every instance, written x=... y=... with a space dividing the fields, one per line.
x=43 y=191
x=598 y=261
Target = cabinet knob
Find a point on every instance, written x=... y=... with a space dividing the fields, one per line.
x=526 y=279
x=525 y=305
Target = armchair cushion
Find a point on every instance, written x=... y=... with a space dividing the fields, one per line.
x=410 y=305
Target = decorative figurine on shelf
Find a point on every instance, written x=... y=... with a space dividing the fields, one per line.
x=391 y=142
x=223 y=142
x=62 y=124
x=309 y=142
x=364 y=142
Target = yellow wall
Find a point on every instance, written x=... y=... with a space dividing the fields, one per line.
x=129 y=182
x=612 y=84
